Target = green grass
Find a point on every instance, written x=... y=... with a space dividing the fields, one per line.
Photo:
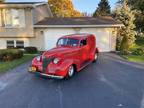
x=5 y=66
x=134 y=58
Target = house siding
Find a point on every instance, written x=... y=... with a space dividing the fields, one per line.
x=41 y=12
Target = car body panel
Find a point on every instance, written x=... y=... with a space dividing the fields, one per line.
x=79 y=56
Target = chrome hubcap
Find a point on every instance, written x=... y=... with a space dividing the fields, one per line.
x=71 y=71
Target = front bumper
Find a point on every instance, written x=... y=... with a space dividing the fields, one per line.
x=34 y=71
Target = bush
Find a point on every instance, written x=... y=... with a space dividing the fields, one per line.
x=139 y=51
x=31 y=50
x=10 y=54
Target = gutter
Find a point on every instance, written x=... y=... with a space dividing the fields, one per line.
x=74 y=26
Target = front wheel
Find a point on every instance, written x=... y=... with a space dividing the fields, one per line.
x=71 y=71
x=95 y=57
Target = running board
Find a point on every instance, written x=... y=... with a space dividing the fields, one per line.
x=86 y=64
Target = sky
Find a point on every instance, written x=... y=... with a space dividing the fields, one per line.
x=88 y=6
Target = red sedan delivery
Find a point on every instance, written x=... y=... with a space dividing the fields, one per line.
x=71 y=54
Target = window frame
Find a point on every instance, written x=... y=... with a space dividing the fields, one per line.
x=9 y=42
x=82 y=44
x=21 y=22
x=17 y=43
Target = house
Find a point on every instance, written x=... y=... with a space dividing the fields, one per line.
x=17 y=21
x=104 y=28
x=32 y=24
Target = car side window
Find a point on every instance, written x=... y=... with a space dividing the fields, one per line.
x=83 y=42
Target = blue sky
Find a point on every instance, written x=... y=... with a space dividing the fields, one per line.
x=88 y=6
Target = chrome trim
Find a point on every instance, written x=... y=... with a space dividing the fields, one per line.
x=52 y=76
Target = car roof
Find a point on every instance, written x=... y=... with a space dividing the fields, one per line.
x=77 y=36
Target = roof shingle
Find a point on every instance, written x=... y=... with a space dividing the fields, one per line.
x=79 y=21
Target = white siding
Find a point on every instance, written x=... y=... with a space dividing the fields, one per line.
x=38 y=40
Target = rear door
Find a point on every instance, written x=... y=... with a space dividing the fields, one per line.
x=84 y=50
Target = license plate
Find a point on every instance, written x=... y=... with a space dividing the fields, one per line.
x=32 y=69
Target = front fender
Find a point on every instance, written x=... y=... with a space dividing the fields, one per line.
x=66 y=63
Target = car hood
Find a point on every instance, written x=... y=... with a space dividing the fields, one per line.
x=59 y=51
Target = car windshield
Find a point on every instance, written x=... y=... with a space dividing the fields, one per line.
x=68 y=42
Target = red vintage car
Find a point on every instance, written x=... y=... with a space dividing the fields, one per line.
x=71 y=54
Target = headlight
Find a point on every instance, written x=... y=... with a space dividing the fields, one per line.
x=56 y=60
x=38 y=58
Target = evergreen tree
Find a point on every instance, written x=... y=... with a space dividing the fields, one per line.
x=127 y=33
x=137 y=5
x=103 y=9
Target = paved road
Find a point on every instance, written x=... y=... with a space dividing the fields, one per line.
x=110 y=83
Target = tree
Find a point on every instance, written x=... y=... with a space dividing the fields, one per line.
x=127 y=33
x=63 y=8
x=137 y=5
x=2 y=1
x=103 y=9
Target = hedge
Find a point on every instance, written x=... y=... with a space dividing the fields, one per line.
x=30 y=50
x=10 y=54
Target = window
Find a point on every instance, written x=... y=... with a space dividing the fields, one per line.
x=10 y=44
x=1 y=19
x=83 y=42
x=19 y=44
x=15 y=44
x=12 y=18
x=68 y=41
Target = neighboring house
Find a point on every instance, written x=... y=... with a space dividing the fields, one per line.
x=50 y=29
x=17 y=21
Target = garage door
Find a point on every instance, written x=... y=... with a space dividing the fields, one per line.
x=52 y=35
x=102 y=37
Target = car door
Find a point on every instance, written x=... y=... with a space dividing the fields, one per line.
x=84 y=50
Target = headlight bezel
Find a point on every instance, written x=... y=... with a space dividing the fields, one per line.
x=38 y=58
x=56 y=60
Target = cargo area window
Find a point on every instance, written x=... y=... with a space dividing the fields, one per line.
x=83 y=42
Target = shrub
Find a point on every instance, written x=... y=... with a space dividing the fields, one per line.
x=139 y=51
x=31 y=50
x=10 y=54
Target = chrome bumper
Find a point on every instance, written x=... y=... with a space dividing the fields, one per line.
x=52 y=76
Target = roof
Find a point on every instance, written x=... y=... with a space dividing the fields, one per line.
x=78 y=22
x=20 y=4
x=77 y=36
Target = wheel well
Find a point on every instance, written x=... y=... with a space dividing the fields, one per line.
x=75 y=67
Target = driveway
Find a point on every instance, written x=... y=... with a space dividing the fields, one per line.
x=110 y=83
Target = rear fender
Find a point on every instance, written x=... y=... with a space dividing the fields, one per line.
x=93 y=53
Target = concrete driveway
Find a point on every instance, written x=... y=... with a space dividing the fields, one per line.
x=110 y=83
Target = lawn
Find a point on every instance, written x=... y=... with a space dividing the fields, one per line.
x=136 y=58
x=5 y=66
